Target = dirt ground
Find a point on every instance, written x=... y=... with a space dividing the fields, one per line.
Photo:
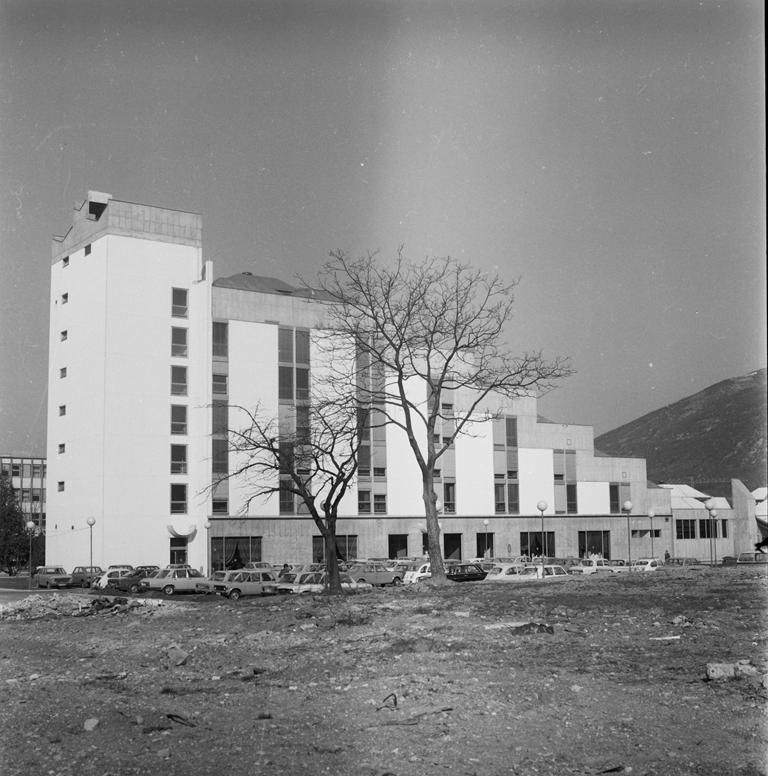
x=589 y=676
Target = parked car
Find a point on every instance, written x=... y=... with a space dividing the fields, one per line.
x=85 y=576
x=303 y=582
x=53 y=576
x=375 y=573
x=110 y=578
x=589 y=566
x=752 y=557
x=131 y=582
x=173 y=580
x=646 y=564
x=502 y=571
x=206 y=585
x=118 y=566
x=258 y=565
x=247 y=582
x=692 y=564
x=547 y=572
x=465 y=572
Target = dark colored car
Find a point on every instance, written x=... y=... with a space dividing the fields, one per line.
x=465 y=572
x=85 y=576
x=132 y=582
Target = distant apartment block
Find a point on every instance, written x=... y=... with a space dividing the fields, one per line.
x=27 y=477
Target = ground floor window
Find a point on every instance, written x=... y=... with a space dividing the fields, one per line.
x=178 y=552
x=686 y=529
x=533 y=542
x=484 y=545
x=233 y=552
x=708 y=529
x=595 y=543
x=452 y=546
x=398 y=545
x=346 y=548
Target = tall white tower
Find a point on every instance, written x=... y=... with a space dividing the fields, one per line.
x=128 y=387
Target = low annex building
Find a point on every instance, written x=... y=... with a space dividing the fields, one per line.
x=148 y=353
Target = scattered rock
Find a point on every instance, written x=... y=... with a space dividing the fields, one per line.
x=91 y=724
x=720 y=671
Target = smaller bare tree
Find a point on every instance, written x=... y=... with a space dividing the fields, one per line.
x=315 y=462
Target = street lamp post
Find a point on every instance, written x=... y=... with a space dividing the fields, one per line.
x=31 y=532
x=208 y=547
x=485 y=548
x=627 y=507
x=542 y=507
x=710 y=507
x=91 y=522
x=651 y=515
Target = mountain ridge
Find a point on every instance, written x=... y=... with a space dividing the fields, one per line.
x=705 y=439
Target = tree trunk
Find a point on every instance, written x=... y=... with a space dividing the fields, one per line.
x=433 y=531
x=332 y=563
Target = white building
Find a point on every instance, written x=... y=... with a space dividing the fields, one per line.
x=147 y=356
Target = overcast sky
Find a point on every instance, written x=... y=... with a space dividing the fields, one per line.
x=609 y=153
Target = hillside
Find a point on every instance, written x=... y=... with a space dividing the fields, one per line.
x=705 y=439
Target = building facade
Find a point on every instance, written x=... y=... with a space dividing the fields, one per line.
x=148 y=357
x=27 y=475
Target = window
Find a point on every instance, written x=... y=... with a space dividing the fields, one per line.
x=179 y=380
x=63 y=335
x=179 y=308
x=531 y=543
x=220 y=411
x=285 y=382
x=62 y=448
x=178 y=459
x=220 y=506
x=380 y=503
x=613 y=490
x=285 y=346
x=302 y=383
x=685 y=529
x=364 y=461
x=380 y=472
x=64 y=298
x=219 y=385
x=60 y=485
x=178 y=342
x=707 y=529
x=286 y=498
x=302 y=346
x=511 y=431
x=178 y=499
x=513 y=498
x=178 y=419
x=449 y=498
x=724 y=526
x=65 y=261
x=87 y=251
x=346 y=548
x=364 y=502
x=498 y=497
x=220 y=456
x=62 y=372
x=572 y=506
x=62 y=409
x=220 y=340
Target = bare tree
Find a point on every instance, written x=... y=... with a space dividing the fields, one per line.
x=438 y=323
x=314 y=460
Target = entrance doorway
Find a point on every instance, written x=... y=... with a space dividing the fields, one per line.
x=178 y=551
x=398 y=545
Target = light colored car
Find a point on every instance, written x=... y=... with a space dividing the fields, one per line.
x=589 y=566
x=247 y=582
x=418 y=572
x=53 y=576
x=375 y=573
x=547 y=572
x=303 y=582
x=206 y=585
x=501 y=572
x=752 y=557
x=174 y=580
x=646 y=564
x=258 y=565
x=109 y=578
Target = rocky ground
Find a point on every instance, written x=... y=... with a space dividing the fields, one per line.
x=662 y=673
